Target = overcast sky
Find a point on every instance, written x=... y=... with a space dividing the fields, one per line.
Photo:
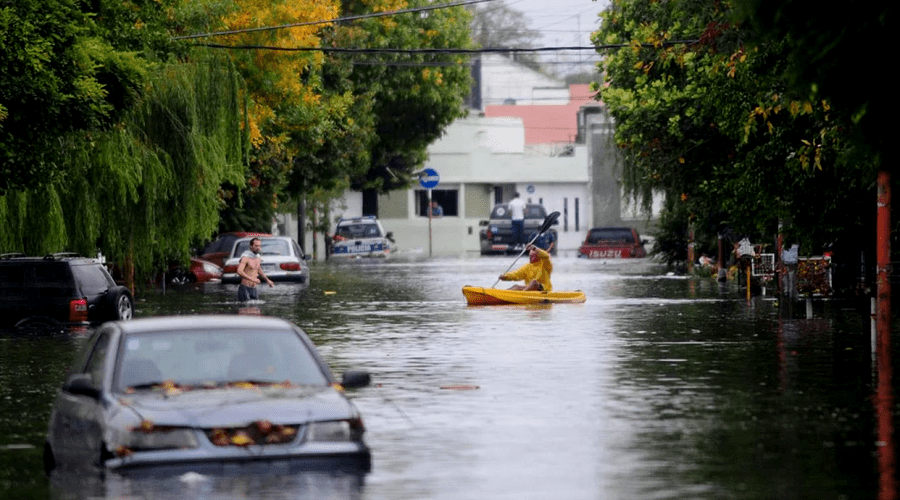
x=563 y=23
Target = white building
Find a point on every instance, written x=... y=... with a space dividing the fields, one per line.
x=527 y=133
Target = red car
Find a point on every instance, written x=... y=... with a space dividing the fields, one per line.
x=219 y=250
x=201 y=271
x=612 y=243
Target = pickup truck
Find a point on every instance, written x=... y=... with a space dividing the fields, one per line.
x=496 y=234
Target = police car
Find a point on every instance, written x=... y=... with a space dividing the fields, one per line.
x=360 y=237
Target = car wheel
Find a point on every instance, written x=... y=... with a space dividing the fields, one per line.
x=123 y=305
x=180 y=277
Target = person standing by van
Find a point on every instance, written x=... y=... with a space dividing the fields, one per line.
x=517 y=216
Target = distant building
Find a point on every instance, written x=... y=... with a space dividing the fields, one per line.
x=526 y=132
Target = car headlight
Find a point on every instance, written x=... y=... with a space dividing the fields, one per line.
x=212 y=269
x=336 y=431
x=146 y=438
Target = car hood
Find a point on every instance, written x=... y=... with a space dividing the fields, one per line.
x=235 y=406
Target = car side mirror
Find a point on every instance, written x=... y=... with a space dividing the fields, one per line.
x=81 y=383
x=390 y=236
x=483 y=223
x=353 y=379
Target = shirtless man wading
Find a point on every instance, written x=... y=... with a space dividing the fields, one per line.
x=250 y=271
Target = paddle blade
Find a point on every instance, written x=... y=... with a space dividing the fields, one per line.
x=549 y=221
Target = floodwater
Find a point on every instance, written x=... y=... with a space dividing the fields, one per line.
x=657 y=387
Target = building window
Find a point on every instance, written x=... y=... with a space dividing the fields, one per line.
x=448 y=199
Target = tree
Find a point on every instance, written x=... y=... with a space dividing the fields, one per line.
x=833 y=54
x=68 y=67
x=712 y=125
x=413 y=97
x=126 y=146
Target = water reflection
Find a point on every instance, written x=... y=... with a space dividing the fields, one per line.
x=656 y=387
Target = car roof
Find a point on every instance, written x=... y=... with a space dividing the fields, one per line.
x=264 y=237
x=613 y=228
x=358 y=220
x=167 y=324
x=59 y=257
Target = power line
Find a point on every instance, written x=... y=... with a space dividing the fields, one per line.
x=336 y=20
x=441 y=51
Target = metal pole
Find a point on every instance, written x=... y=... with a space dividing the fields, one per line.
x=429 y=222
x=883 y=271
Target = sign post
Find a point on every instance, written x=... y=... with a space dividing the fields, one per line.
x=429 y=179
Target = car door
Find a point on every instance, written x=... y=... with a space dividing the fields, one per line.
x=77 y=423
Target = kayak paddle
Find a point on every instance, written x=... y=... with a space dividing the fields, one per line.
x=544 y=227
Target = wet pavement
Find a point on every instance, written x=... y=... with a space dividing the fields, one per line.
x=656 y=387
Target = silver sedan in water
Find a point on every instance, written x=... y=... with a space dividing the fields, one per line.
x=200 y=392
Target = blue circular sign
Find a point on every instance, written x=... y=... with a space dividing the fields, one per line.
x=530 y=189
x=430 y=179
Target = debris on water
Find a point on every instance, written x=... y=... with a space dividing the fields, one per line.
x=460 y=387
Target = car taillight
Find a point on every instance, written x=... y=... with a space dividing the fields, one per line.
x=78 y=311
x=290 y=266
x=489 y=234
x=230 y=269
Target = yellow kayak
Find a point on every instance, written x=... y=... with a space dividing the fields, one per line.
x=479 y=296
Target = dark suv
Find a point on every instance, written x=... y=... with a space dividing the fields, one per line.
x=59 y=289
x=497 y=237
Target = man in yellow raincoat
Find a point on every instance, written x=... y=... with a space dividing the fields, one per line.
x=536 y=273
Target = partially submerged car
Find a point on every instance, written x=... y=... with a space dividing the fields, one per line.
x=60 y=289
x=496 y=235
x=612 y=243
x=282 y=260
x=360 y=237
x=219 y=250
x=200 y=392
x=199 y=271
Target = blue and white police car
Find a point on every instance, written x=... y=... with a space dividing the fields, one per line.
x=357 y=237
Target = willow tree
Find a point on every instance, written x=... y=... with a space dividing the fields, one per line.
x=146 y=191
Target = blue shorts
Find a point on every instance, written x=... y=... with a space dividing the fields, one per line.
x=246 y=293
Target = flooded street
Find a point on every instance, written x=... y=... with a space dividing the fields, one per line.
x=657 y=387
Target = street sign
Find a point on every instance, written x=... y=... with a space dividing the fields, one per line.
x=430 y=178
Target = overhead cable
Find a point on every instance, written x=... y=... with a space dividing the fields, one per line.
x=332 y=21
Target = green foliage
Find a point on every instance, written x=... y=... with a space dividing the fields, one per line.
x=413 y=97
x=713 y=125
x=68 y=68
x=147 y=190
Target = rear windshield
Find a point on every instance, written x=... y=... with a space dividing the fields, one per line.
x=269 y=247
x=611 y=235
x=46 y=279
x=358 y=231
x=531 y=212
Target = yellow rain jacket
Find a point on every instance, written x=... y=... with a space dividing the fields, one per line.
x=539 y=271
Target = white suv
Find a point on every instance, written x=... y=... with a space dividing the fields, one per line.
x=360 y=237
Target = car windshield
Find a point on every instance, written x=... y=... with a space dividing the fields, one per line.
x=358 y=231
x=611 y=235
x=198 y=359
x=531 y=212
x=270 y=246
